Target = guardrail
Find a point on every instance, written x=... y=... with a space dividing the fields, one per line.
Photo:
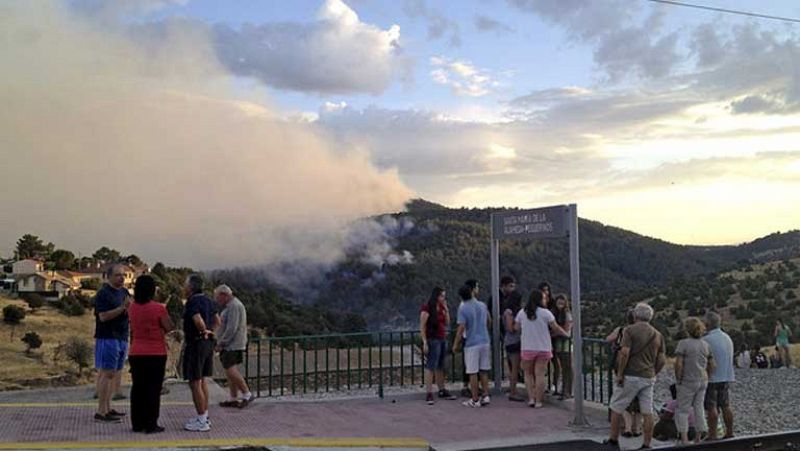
x=278 y=366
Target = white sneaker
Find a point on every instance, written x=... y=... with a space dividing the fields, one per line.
x=485 y=400
x=471 y=403
x=197 y=425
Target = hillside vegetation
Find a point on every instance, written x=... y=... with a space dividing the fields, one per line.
x=452 y=245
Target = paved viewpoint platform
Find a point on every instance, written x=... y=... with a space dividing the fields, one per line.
x=62 y=419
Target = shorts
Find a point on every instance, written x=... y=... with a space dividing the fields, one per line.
x=717 y=396
x=633 y=387
x=198 y=359
x=437 y=350
x=231 y=358
x=477 y=358
x=110 y=353
x=536 y=355
x=515 y=348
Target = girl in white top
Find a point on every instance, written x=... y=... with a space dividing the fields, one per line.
x=536 y=323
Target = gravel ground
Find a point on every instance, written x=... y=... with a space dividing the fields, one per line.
x=764 y=400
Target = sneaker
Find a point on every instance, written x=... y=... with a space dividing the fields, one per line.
x=471 y=403
x=197 y=425
x=242 y=403
x=100 y=418
x=444 y=394
x=154 y=430
x=229 y=403
x=429 y=399
x=485 y=400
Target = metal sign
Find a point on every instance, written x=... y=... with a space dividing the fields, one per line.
x=550 y=222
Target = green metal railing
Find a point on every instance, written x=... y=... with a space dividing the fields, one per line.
x=277 y=366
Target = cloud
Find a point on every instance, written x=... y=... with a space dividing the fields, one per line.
x=439 y=26
x=623 y=44
x=462 y=76
x=145 y=148
x=336 y=54
x=487 y=24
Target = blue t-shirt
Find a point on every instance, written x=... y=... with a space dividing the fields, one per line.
x=722 y=349
x=474 y=316
x=198 y=303
x=109 y=298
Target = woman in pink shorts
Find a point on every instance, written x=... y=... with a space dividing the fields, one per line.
x=536 y=322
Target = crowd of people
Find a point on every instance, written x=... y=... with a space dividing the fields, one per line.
x=780 y=356
x=121 y=319
x=535 y=334
x=703 y=371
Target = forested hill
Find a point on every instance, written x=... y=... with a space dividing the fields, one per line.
x=451 y=245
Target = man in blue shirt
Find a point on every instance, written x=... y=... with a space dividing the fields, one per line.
x=717 y=393
x=199 y=320
x=473 y=319
x=111 y=340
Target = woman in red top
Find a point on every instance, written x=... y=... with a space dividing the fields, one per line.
x=148 y=355
x=433 y=320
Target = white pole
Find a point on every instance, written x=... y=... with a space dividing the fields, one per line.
x=577 y=336
x=497 y=363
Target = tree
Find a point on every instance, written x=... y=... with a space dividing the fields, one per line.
x=134 y=260
x=33 y=340
x=160 y=270
x=62 y=259
x=34 y=300
x=30 y=246
x=13 y=315
x=106 y=255
x=79 y=351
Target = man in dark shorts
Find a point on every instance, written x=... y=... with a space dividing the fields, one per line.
x=231 y=345
x=199 y=319
x=111 y=340
x=717 y=394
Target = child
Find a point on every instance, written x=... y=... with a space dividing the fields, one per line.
x=665 y=429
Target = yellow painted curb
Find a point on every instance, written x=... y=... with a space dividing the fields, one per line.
x=305 y=442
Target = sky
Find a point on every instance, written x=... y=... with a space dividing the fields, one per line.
x=671 y=122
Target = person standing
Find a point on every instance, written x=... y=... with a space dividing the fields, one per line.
x=719 y=380
x=782 y=334
x=148 y=357
x=511 y=303
x=562 y=346
x=231 y=345
x=535 y=324
x=640 y=359
x=434 y=317
x=111 y=340
x=199 y=321
x=473 y=321
x=693 y=363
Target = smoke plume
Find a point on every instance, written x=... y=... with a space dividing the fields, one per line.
x=147 y=144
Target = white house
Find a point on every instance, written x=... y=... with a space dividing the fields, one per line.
x=46 y=284
x=27 y=266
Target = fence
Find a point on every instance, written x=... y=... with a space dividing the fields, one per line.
x=277 y=366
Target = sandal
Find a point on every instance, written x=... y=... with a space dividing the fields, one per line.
x=627 y=434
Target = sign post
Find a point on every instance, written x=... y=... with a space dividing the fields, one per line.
x=559 y=221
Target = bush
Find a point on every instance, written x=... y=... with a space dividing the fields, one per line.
x=13 y=315
x=70 y=306
x=33 y=340
x=34 y=300
x=78 y=351
x=91 y=284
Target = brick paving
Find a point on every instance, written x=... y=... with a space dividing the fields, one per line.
x=446 y=424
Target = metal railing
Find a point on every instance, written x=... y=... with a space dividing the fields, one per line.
x=278 y=366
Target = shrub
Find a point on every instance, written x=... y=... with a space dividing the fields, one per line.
x=33 y=340
x=70 y=306
x=34 y=300
x=13 y=315
x=78 y=351
x=91 y=284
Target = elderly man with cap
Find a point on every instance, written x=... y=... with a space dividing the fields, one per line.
x=231 y=345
